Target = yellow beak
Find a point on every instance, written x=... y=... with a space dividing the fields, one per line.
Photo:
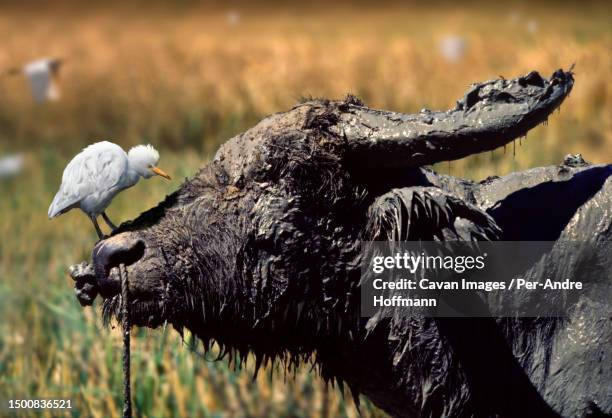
x=160 y=172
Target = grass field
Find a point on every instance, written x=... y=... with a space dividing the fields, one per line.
x=188 y=79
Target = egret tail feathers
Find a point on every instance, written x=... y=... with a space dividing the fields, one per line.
x=60 y=205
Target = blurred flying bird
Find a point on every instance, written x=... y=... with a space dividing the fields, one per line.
x=93 y=178
x=233 y=17
x=10 y=165
x=532 y=26
x=42 y=76
x=453 y=48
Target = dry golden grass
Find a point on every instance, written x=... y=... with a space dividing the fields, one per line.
x=194 y=79
x=187 y=80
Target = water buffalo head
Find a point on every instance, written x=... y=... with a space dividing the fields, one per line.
x=266 y=236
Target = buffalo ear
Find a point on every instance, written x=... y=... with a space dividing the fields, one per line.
x=427 y=214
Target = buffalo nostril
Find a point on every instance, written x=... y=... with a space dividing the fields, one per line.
x=118 y=249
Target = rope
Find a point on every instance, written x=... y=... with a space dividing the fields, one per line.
x=125 y=325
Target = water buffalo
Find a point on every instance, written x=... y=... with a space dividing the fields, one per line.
x=260 y=252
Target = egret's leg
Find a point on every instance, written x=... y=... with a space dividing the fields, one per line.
x=98 y=230
x=108 y=221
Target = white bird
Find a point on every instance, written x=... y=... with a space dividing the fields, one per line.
x=453 y=48
x=11 y=165
x=42 y=76
x=94 y=177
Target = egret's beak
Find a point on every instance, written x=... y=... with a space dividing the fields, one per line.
x=160 y=172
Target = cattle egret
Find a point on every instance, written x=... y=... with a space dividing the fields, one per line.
x=93 y=178
x=42 y=77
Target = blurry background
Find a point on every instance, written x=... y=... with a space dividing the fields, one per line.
x=185 y=77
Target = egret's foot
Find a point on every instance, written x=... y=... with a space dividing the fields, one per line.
x=102 y=237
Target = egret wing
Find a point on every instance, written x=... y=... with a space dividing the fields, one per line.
x=96 y=169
